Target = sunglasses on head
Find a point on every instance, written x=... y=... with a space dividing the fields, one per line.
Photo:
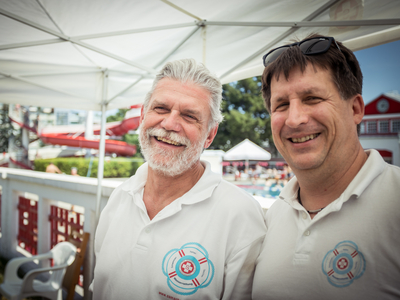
x=316 y=45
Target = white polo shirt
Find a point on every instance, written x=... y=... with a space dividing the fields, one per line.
x=350 y=250
x=201 y=246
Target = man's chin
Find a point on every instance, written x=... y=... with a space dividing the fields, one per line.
x=305 y=164
x=169 y=170
x=171 y=163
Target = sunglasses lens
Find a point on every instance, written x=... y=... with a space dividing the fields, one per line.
x=315 y=46
x=274 y=55
x=309 y=47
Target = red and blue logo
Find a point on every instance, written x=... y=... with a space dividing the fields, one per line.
x=343 y=264
x=188 y=269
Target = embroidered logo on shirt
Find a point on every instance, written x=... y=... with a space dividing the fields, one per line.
x=343 y=264
x=188 y=269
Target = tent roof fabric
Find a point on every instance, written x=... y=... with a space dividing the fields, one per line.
x=83 y=54
x=247 y=150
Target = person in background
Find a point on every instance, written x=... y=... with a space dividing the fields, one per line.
x=52 y=168
x=176 y=230
x=74 y=171
x=334 y=231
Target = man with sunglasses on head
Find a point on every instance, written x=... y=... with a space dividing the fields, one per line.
x=334 y=231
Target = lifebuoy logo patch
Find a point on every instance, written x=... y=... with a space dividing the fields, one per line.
x=343 y=264
x=188 y=269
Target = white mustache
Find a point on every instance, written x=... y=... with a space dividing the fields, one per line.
x=170 y=135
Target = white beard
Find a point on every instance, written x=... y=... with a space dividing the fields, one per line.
x=165 y=161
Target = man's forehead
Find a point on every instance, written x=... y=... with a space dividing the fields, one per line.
x=170 y=92
x=284 y=74
x=164 y=82
x=297 y=73
x=313 y=79
x=174 y=85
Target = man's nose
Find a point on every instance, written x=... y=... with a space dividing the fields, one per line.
x=171 y=122
x=297 y=114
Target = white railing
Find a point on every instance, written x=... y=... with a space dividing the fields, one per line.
x=49 y=189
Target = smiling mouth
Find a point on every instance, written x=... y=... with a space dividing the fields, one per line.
x=304 y=138
x=161 y=139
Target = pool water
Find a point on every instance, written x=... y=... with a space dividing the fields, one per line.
x=261 y=190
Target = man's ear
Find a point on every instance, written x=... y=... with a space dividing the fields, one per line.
x=358 y=108
x=141 y=116
x=210 y=137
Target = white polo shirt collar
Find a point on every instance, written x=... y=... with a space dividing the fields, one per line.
x=202 y=190
x=369 y=171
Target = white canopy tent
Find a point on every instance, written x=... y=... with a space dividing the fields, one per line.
x=100 y=55
x=247 y=150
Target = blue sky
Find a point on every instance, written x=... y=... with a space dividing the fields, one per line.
x=381 y=69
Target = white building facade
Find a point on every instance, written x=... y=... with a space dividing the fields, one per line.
x=380 y=127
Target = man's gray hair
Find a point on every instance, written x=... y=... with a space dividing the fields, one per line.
x=188 y=70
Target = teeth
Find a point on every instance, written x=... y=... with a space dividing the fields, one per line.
x=304 y=138
x=167 y=141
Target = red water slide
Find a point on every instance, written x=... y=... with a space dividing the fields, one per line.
x=73 y=135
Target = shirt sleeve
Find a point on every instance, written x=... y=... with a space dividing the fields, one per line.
x=102 y=226
x=239 y=272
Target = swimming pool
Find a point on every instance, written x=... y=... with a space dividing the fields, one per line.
x=272 y=191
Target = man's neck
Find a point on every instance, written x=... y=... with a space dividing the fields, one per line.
x=161 y=190
x=321 y=187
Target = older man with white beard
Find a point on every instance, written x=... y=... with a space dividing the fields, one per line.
x=176 y=230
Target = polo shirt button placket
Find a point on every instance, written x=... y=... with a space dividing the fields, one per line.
x=307 y=233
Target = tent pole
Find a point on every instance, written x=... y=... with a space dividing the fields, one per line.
x=204 y=36
x=100 y=169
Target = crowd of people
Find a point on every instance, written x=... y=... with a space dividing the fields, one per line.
x=258 y=172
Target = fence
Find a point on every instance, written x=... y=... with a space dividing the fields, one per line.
x=36 y=212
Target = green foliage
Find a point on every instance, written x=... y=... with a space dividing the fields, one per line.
x=119 y=116
x=244 y=115
x=113 y=168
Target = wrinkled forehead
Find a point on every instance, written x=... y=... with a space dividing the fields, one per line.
x=188 y=87
x=187 y=95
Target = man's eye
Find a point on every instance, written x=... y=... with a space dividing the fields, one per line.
x=313 y=98
x=281 y=107
x=160 y=109
x=190 y=117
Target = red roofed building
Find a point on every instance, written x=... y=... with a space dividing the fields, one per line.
x=380 y=127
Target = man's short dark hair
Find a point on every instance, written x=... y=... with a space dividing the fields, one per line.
x=343 y=65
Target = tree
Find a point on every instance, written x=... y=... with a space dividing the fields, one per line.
x=119 y=116
x=244 y=116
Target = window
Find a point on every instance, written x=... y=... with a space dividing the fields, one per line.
x=362 y=127
x=384 y=126
x=396 y=126
x=62 y=118
x=371 y=127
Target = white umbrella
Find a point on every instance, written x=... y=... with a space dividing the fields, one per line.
x=247 y=150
